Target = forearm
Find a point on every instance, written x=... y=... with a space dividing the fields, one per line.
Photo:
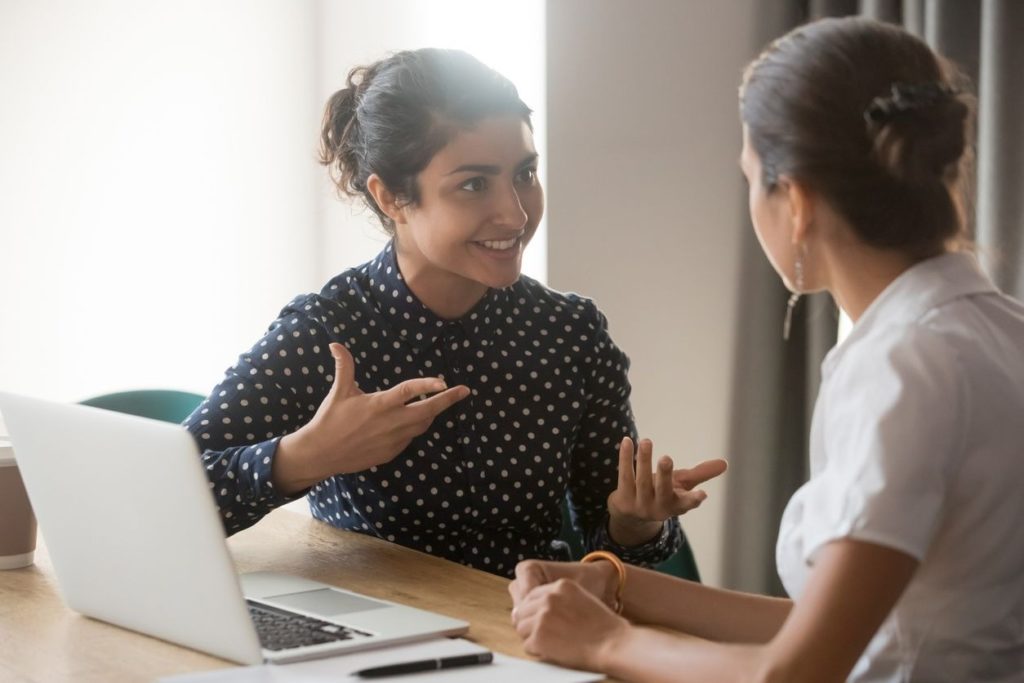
x=712 y=613
x=241 y=484
x=646 y=654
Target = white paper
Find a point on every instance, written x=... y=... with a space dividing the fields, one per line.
x=340 y=668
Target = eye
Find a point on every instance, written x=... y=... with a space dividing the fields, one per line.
x=527 y=176
x=477 y=184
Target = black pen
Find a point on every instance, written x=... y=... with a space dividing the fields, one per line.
x=426 y=665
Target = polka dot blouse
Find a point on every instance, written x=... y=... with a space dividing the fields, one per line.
x=483 y=485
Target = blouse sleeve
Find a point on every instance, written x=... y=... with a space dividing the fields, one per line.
x=607 y=418
x=272 y=390
x=892 y=428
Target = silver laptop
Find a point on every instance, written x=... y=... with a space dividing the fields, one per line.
x=136 y=540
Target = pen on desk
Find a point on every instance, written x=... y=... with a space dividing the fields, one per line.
x=426 y=665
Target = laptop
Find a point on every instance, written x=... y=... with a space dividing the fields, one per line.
x=136 y=540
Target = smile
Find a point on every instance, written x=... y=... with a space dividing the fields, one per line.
x=500 y=245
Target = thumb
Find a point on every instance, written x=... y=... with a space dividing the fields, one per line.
x=344 y=372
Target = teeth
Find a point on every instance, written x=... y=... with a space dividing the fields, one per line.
x=500 y=245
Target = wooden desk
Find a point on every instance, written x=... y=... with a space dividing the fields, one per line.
x=42 y=640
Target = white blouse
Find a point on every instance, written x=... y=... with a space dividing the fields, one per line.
x=917 y=444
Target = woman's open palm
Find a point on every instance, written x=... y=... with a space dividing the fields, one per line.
x=646 y=496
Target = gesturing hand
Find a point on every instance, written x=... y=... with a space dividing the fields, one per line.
x=643 y=501
x=352 y=431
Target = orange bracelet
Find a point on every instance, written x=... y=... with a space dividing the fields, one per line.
x=619 y=568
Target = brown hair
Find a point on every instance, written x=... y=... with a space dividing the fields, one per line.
x=395 y=114
x=868 y=116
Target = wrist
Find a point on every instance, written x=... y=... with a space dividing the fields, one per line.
x=608 y=653
x=617 y=584
x=294 y=463
x=605 y=578
x=631 y=531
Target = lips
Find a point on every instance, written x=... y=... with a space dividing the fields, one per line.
x=500 y=245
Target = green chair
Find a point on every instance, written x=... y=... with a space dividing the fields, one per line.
x=159 y=404
x=682 y=564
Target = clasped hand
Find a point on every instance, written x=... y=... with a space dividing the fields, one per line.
x=644 y=500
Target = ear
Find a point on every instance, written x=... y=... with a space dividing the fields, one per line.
x=385 y=198
x=801 y=203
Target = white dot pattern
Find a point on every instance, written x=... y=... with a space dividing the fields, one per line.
x=483 y=485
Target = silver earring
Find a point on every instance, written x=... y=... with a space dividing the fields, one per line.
x=798 y=267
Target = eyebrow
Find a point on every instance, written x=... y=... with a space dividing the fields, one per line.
x=489 y=169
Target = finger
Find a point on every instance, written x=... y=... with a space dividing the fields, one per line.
x=529 y=575
x=344 y=372
x=429 y=408
x=400 y=394
x=525 y=629
x=663 y=490
x=689 y=500
x=687 y=478
x=644 y=487
x=531 y=603
x=627 y=481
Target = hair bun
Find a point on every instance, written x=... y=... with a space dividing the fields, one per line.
x=918 y=131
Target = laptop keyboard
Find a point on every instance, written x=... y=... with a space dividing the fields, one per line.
x=281 y=630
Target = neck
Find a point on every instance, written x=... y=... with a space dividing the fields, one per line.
x=447 y=295
x=858 y=273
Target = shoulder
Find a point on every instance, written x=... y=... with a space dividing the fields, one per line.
x=900 y=392
x=343 y=298
x=566 y=308
x=911 y=352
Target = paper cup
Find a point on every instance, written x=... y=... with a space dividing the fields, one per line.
x=17 y=522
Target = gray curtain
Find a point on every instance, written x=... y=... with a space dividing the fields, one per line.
x=776 y=382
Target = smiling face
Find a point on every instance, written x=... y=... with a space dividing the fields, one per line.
x=479 y=205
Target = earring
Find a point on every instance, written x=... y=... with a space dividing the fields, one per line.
x=798 y=268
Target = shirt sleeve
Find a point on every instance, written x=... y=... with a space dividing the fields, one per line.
x=272 y=390
x=892 y=430
x=607 y=418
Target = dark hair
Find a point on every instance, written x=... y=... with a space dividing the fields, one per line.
x=395 y=114
x=868 y=116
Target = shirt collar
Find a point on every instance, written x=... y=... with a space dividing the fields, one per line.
x=917 y=290
x=416 y=324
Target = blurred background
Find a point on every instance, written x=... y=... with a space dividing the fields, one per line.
x=160 y=200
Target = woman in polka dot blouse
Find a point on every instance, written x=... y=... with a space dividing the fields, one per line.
x=434 y=397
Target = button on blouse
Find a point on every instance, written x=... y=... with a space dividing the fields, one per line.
x=483 y=485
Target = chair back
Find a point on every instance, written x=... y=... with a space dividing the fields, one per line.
x=168 y=405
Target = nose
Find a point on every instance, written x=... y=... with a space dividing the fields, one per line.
x=508 y=211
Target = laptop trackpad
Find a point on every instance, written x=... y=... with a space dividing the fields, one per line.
x=325 y=602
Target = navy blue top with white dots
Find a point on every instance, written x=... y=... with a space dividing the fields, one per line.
x=483 y=485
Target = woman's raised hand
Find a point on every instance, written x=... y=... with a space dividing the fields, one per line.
x=644 y=500
x=353 y=431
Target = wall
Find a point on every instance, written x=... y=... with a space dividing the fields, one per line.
x=646 y=205
x=507 y=35
x=156 y=188
x=159 y=196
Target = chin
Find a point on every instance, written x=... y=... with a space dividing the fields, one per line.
x=502 y=283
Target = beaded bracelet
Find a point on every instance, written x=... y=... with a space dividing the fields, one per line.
x=619 y=568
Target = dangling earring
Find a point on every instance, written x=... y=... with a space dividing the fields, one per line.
x=798 y=268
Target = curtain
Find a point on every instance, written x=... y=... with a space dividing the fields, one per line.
x=775 y=382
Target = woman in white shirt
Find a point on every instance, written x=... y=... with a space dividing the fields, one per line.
x=904 y=553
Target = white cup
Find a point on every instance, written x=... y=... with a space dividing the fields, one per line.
x=17 y=522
